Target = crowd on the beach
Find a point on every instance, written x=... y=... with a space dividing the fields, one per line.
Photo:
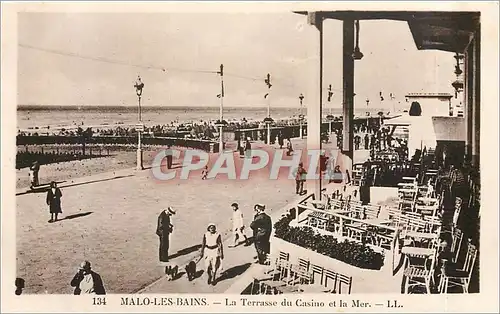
x=199 y=130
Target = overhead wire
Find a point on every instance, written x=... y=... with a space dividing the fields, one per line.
x=279 y=81
x=106 y=60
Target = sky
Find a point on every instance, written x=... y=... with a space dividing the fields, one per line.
x=187 y=44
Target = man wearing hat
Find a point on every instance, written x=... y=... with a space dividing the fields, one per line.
x=238 y=225
x=86 y=281
x=262 y=228
x=163 y=230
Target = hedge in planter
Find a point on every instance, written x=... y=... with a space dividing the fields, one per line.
x=352 y=253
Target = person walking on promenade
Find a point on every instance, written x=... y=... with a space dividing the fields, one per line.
x=262 y=227
x=204 y=173
x=53 y=200
x=163 y=230
x=35 y=168
x=366 y=141
x=281 y=140
x=357 y=142
x=86 y=281
x=337 y=176
x=238 y=148
x=289 y=147
x=299 y=179
x=248 y=148
x=169 y=159
x=213 y=252
x=323 y=162
x=241 y=149
x=238 y=225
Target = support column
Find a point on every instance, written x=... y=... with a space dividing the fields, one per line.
x=348 y=95
x=476 y=118
x=139 y=164
x=468 y=100
x=314 y=97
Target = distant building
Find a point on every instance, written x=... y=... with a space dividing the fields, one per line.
x=432 y=104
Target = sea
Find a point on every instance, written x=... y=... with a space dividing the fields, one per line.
x=54 y=117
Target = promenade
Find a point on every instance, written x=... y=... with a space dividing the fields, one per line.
x=110 y=219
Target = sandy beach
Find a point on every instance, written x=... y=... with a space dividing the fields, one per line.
x=68 y=171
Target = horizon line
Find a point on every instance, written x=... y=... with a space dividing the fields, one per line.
x=87 y=106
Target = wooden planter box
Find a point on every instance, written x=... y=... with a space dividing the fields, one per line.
x=363 y=280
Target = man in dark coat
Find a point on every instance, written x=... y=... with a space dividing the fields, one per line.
x=357 y=141
x=54 y=201
x=367 y=141
x=248 y=148
x=163 y=230
x=169 y=159
x=281 y=140
x=289 y=147
x=86 y=281
x=262 y=227
x=241 y=149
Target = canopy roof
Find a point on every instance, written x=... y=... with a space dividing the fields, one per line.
x=447 y=31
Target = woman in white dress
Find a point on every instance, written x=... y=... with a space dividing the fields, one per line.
x=238 y=226
x=212 y=251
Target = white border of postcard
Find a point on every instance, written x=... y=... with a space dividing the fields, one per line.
x=485 y=301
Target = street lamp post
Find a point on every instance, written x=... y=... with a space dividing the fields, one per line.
x=220 y=123
x=139 y=85
x=330 y=117
x=301 y=116
x=268 y=120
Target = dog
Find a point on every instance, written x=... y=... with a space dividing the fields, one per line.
x=191 y=269
x=171 y=271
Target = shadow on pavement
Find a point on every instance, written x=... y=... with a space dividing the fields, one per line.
x=198 y=274
x=96 y=181
x=186 y=251
x=248 y=242
x=42 y=188
x=174 y=166
x=69 y=217
x=234 y=272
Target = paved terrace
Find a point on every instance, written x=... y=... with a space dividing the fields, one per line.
x=110 y=219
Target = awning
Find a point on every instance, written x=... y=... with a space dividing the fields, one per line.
x=449 y=128
x=448 y=31
x=441 y=128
